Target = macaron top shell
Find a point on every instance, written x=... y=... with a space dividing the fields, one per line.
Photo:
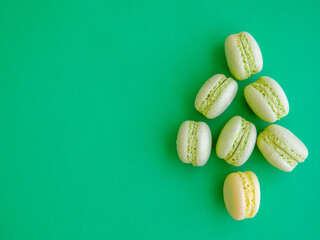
x=204 y=144
x=234 y=197
x=215 y=95
x=241 y=192
x=194 y=143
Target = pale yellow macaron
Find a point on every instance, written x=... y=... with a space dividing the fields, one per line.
x=241 y=192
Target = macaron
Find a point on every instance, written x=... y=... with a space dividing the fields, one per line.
x=281 y=147
x=241 y=193
x=194 y=143
x=216 y=95
x=236 y=141
x=243 y=55
x=267 y=99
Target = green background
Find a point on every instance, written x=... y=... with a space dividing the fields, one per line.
x=92 y=94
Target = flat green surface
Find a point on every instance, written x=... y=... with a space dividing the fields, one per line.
x=92 y=93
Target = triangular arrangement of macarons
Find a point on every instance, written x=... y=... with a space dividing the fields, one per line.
x=267 y=100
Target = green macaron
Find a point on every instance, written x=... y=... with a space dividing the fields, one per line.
x=281 y=148
x=194 y=143
x=236 y=141
x=243 y=55
x=267 y=99
x=216 y=95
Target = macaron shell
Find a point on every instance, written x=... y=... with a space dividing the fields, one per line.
x=224 y=100
x=234 y=196
x=206 y=88
x=289 y=139
x=249 y=147
x=272 y=156
x=256 y=52
x=235 y=59
x=204 y=144
x=182 y=143
x=259 y=105
x=278 y=91
x=227 y=136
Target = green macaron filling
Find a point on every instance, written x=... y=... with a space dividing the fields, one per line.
x=213 y=95
x=192 y=143
x=249 y=53
x=244 y=57
x=240 y=143
x=283 y=150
